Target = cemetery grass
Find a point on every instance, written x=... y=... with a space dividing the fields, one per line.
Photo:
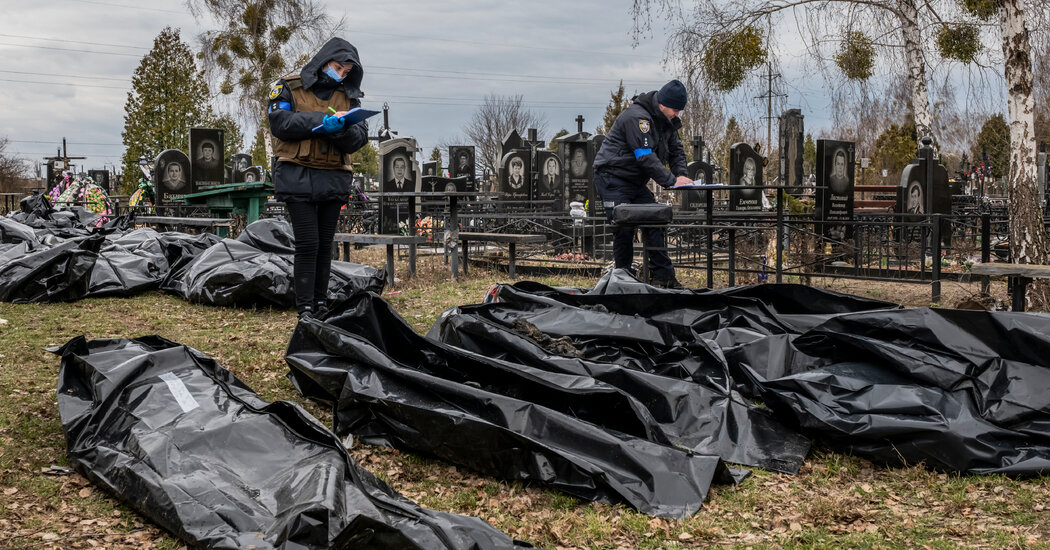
x=836 y=501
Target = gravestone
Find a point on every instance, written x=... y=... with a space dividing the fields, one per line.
x=515 y=171
x=239 y=163
x=253 y=173
x=745 y=168
x=792 y=143
x=514 y=176
x=917 y=197
x=461 y=163
x=548 y=188
x=699 y=171
x=398 y=173
x=171 y=176
x=835 y=182
x=101 y=178
x=430 y=168
x=206 y=154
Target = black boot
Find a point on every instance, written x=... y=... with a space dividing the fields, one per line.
x=671 y=284
x=306 y=312
x=320 y=310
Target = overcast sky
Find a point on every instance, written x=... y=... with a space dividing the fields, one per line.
x=68 y=65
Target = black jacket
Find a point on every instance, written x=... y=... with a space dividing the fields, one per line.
x=293 y=182
x=640 y=143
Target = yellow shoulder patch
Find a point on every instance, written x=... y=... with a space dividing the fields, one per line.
x=643 y=125
x=275 y=90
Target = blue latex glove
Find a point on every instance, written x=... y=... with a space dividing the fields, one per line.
x=332 y=123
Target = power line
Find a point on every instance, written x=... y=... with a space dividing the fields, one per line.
x=128 y=6
x=69 y=49
x=59 y=141
x=125 y=79
x=496 y=44
x=73 y=41
x=77 y=84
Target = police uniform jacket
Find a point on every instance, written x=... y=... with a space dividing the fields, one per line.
x=309 y=166
x=639 y=144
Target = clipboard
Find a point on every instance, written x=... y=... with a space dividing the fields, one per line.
x=353 y=116
x=694 y=186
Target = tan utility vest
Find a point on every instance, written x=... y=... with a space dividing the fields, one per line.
x=316 y=152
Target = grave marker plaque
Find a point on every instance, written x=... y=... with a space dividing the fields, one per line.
x=514 y=176
x=549 y=183
x=101 y=178
x=461 y=163
x=702 y=173
x=239 y=163
x=430 y=168
x=745 y=168
x=835 y=182
x=206 y=154
x=171 y=173
x=399 y=173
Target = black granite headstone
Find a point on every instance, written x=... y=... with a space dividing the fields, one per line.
x=548 y=190
x=430 y=168
x=835 y=181
x=514 y=176
x=101 y=178
x=240 y=163
x=461 y=163
x=792 y=142
x=206 y=154
x=253 y=173
x=702 y=173
x=399 y=173
x=745 y=168
x=171 y=176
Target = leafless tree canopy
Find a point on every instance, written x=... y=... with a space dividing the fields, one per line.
x=496 y=117
x=257 y=42
x=12 y=169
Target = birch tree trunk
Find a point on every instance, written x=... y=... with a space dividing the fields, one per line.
x=908 y=15
x=1027 y=235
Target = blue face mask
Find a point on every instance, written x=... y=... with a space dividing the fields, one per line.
x=333 y=74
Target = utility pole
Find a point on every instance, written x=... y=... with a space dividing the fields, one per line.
x=768 y=96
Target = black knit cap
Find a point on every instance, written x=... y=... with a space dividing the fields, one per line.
x=672 y=95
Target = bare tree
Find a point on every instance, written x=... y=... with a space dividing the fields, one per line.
x=12 y=169
x=257 y=42
x=495 y=118
x=725 y=40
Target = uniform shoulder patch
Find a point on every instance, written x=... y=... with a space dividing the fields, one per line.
x=275 y=90
x=643 y=125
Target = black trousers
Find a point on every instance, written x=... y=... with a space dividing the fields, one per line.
x=615 y=191
x=314 y=225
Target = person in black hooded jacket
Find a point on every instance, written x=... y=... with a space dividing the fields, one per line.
x=641 y=141
x=311 y=170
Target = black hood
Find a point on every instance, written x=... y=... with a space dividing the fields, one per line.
x=648 y=102
x=343 y=52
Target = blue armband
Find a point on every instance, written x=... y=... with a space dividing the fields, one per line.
x=641 y=152
x=281 y=105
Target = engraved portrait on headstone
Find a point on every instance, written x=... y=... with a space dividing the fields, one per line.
x=206 y=154
x=548 y=185
x=399 y=173
x=253 y=173
x=514 y=183
x=745 y=168
x=430 y=168
x=239 y=163
x=834 y=194
x=400 y=179
x=171 y=173
x=578 y=160
x=916 y=199
x=101 y=178
x=461 y=160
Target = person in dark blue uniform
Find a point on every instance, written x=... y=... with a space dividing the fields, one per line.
x=642 y=140
x=312 y=173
